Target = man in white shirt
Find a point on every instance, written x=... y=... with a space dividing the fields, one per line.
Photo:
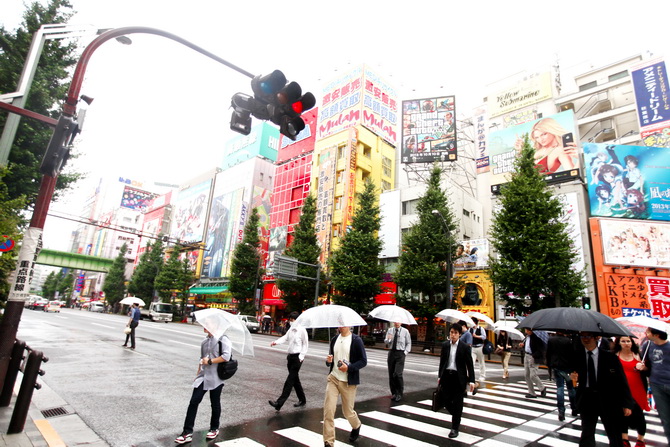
x=399 y=342
x=298 y=342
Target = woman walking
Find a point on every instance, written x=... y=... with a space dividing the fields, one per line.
x=504 y=347
x=629 y=355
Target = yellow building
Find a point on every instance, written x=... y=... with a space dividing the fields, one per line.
x=477 y=293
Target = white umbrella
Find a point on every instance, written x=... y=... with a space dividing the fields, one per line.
x=329 y=315
x=130 y=300
x=219 y=322
x=393 y=313
x=513 y=333
x=454 y=316
x=481 y=317
x=644 y=321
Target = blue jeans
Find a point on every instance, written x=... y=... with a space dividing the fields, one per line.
x=662 y=398
x=562 y=378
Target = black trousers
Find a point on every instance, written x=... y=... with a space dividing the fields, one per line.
x=293 y=364
x=133 y=325
x=592 y=407
x=196 y=398
x=454 y=394
x=396 y=365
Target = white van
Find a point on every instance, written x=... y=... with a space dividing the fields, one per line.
x=251 y=322
x=96 y=306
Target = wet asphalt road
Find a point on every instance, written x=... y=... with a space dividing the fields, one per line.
x=139 y=398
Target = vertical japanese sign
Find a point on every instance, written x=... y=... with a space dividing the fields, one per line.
x=481 y=130
x=324 y=200
x=30 y=250
x=350 y=181
x=650 y=82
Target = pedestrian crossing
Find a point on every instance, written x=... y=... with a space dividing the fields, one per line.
x=498 y=416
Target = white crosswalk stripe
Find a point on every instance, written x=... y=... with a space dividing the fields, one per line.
x=498 y=416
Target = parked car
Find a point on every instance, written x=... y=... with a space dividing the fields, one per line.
x=96 y=306
x=31 y=300
x=52 y=306
x=39 y=304
x=251 y=322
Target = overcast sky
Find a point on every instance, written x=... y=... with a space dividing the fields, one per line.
x=161 y=111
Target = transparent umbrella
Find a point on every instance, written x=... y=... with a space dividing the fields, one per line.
x=513 y=333
x=454 y=316
x=219 y=322
x=130 y=300
x=393 y=313
x=481 y=317
x=329 y=315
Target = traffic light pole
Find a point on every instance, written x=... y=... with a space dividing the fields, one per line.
x=32 y=240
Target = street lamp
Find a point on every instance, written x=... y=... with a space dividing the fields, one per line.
x=448 y=266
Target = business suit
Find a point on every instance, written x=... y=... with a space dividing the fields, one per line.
x=453 y=384
x=605 y=399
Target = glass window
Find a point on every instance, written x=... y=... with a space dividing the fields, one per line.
x=587 y=86
x=615 y=76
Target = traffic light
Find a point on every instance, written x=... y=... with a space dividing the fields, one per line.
x=274 y=100
x=59 y=146
x=586 y=302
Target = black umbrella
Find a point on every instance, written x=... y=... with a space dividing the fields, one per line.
x=573 y=319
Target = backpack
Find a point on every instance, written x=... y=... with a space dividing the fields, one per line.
x=226 y=370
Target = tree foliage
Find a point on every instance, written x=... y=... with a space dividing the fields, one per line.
x=143 y=279
x=535 y=256
x=50 y=285
x=354 y=266
x=174 y=278
x=245 y=269
x=299 y=294
x=47 y=90
x=66 y=285
x=10 y=224
x=426 y=247
x=115 y=281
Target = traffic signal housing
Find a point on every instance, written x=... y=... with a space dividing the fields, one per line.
x=586 y=303
x=58 y=150
x=274 y=100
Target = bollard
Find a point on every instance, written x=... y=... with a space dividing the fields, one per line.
x=28 y=385
x=12 y=372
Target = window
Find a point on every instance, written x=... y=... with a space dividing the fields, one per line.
x=409 y=207
x=365 y=175
x=294 y=216
x=367 y=151
x=615 y=76
x=338 y=203
x=261 y=176
x=587 y=86
x=340 y=177
x=466 y=213
x=387 y=165
x=386 y=185
x=341 y=151
x=336 y=231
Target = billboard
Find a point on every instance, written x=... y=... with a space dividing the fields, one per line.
x=429 y=130
x=263 y=140
x=136 y=199
x=523 y=94
x=481 y=130
x=359 y=97
x=628 y=181
x=554 y=139
x=635 y=243
x=304 y=142
x=190 y=211
x=650 y=82
x=472 y=254
x=324 y=199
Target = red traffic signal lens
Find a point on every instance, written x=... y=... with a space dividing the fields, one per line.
x=306 y=102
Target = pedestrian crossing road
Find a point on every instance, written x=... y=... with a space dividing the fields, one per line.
x=499 y=415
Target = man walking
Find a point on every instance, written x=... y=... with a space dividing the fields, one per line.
x=400 y=344
x=298 y=342
x=658 y=361
x=559 y=359
x=534 y=349
x=478 y=339
x=345 y=359
x=602 y=391
x=456 y=372
x=133 y=322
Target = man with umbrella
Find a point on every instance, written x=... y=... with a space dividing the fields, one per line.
x=298 y=342
x=559 y=358
x=133 y=322
x=657 y=359
x=602 y=391
x=400 y=343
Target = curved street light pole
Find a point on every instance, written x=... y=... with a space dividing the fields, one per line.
x=448 y=265
x=32 y=240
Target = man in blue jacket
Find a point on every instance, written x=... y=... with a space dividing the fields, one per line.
x=345 y=359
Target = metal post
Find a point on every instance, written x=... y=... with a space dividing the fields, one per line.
x=28 y=385
x=12 y=373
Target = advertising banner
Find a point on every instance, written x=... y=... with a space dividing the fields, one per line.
x=350 y=179
x=190 y=211
x=472 y=254
x=481 y=130
x=635 y=243
x=523 y=94
x=226 y=208
x=628 y=181
x=136 y=199
x=650 y=82
x=629 y=295
x=263 y=140
x=554 y=139
x=429 y=130
x=324 y=199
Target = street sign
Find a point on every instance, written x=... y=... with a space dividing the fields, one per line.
x=286 y=267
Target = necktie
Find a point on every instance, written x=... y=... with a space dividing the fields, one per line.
x=592 y=383
x=395 y=340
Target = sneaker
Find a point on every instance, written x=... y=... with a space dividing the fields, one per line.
x=531 y=396
x=213 y=433
x=640 y=443
x=184 y=438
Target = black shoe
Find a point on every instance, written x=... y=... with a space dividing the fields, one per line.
x=531 y=396
x=354 y=433
x=393 y=397
x=125 y=346
x=473 y=393
x=274 y=405
x=561 y=416
x=453 y=433
x=300 y=404
x=397 y=398
x=575 y=413
x=543 y=393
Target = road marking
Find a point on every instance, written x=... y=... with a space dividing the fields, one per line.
x=185 y=344
x=50 y=435
x=104 y=325
x=241 y=442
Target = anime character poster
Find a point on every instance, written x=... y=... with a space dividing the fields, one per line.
x=553 y=138
x=136 y=199
x=220 y=234
x=635 y=243
x=188 y=223
x=429 y=130
x=628 y=181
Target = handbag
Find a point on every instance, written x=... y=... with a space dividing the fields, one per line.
x=127 y=330
x=226 y=370
x=499 y=350
x=438 y=402
x=488 y=347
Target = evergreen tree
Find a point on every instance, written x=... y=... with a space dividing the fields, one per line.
x=245 y=269
x=174 y=277
x=50 y=285
x=426 y=247
x=354 y=266
x=65 y=286
x=143 y=279
x=10 y=223
x=535 y=257
x=305 y=248
x=48 y=88
x=115 y=281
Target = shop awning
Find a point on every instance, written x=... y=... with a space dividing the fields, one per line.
x=273 y=302
x=208 y=290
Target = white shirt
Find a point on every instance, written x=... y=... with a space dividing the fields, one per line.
x=404 y=342
x=341 y=352
x=452 y=356
x=297 y=341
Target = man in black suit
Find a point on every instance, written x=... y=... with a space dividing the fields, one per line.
x=602 y=391
x=455 y=373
